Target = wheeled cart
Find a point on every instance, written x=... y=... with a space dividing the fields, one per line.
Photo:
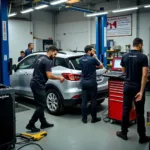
x=7 y=118
x=115 y=100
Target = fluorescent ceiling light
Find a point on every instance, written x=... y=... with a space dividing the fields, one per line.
x=41 y=6
x=27 y=10
x=125 y=9
x=12 y=14
x=58 y=2
x=97 y=14
x=147 y=6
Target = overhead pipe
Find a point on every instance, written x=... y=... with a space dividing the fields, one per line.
x=66 y=7
x=79 y=9
x=38 y=1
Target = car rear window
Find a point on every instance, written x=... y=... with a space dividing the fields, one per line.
x=74 y=63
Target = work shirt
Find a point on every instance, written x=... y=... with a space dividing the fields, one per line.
x=42 y=65
x=88 y=66
x=28 y=52
x=20 y=58
x=133 y=62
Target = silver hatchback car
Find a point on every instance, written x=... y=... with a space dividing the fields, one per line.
x=59 y=95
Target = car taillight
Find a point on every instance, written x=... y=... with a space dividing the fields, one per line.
x=76 y=97
x=71 y=77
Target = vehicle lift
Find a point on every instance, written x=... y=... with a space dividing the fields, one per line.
x=5 y=72
x=4 y=46
x=101 y=38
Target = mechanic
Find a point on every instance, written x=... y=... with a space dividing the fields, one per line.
x=22 y=55
x=89 y=84
x=29 y=50
x=135 y=66
x=42 y=73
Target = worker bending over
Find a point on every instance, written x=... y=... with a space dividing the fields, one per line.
x=88 y=65
x=41 y=74
x=135 y=66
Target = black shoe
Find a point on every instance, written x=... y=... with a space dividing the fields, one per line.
x=46 y=125
x=32 y=127
x=121 y=135
x=144 y=140
x=94 y=120
x=84 y=121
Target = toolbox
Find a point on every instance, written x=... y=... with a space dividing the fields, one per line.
x=7 y=118
x=115 y=96
x=115 y=100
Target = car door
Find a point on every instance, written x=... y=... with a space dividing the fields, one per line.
x=20 y=79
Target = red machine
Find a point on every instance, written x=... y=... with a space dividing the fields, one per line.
x=115 y=99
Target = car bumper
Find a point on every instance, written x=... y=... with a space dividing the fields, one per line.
x=73 y=102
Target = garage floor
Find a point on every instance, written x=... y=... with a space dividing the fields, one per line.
x=70 y=134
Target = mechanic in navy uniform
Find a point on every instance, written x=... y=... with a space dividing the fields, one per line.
x=89 y=84
x=29 y=50
x=42 y=72
x=135 y=66
x=22 y=55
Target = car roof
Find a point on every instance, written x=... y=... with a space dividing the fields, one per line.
x=63 y=54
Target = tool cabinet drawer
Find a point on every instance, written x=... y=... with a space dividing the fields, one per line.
x=119 y=89
x=115 y=110
x=115 y=94
x=117 y=99
x=116 y=83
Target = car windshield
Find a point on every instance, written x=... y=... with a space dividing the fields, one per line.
x=74 y=62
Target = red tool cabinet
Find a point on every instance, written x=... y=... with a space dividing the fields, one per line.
x=115 y=101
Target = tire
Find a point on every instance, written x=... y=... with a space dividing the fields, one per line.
x=101 y=101
x=54 y=102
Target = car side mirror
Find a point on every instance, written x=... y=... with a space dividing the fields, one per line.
x=14 y=67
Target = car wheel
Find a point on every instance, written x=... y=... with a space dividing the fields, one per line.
x=54 y=102
x=100 y=101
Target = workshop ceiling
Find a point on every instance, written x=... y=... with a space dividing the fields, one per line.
x=82 y=3
x=28 y=3
x=88 y=4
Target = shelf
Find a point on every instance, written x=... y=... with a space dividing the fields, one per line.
x=112 y=51
x=110 y=58
x=109 y=65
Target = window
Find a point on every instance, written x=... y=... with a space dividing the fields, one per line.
x=27 y=63
x=36 y=58
x=61 y=62
x=74 y=61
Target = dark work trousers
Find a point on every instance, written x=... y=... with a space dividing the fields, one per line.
x=129 y=98
x=40 y=99
x=89 y=90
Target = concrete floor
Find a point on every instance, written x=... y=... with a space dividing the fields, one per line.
x=70 y=133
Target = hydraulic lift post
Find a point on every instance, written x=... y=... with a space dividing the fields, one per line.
x=101 y=38
x=4 y=48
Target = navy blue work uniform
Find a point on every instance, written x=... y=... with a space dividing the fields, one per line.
x=89 y=85
x=19 y=59
x=42 y=65
x=28 y=52
x=133 y=62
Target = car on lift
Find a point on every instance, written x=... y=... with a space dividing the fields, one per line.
x=59 y=96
